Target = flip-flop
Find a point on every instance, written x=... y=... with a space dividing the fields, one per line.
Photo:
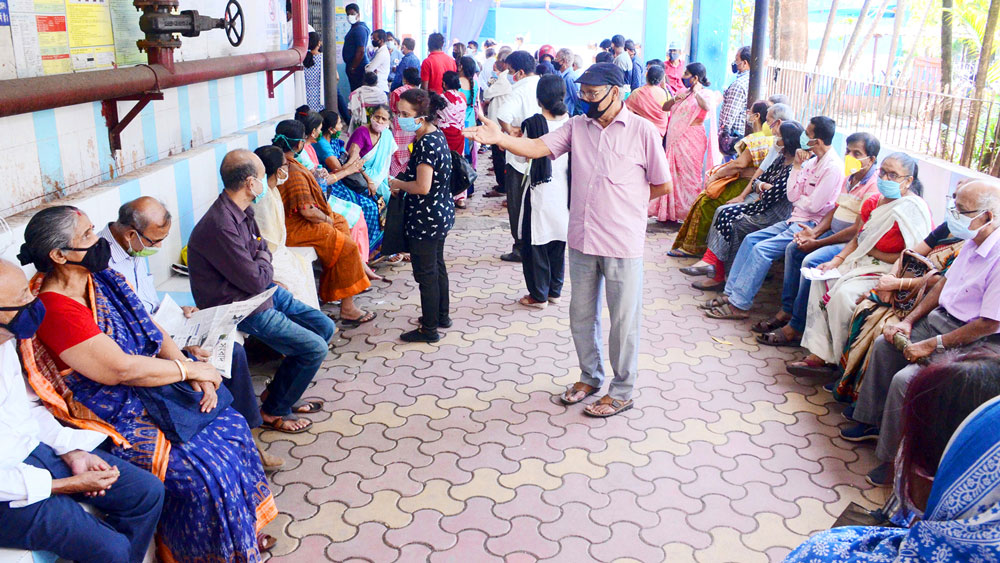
x=354 y=323
x=276 y=424
x=618 y=406
x=308 y=406
x=576 y=387
x=778 y=339
x=768 y=325
x=678 y=253
x=726 y=312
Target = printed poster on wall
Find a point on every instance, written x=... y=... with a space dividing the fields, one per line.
x=91 y=40
x=39 y=34
x=125 y=28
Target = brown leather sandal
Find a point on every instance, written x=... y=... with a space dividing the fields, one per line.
x=576 y=388
x=616 y=404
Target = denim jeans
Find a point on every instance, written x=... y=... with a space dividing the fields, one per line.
x=58 y=524
x=795 y=291
x=300 y=333
x=431 y=275
x=757 y=252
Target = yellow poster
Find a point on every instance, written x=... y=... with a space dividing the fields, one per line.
x=52 y=44
x=89 y=23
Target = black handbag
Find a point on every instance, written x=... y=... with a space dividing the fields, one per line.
x=463 y=175
x=174 y=408
x=393 y=240
x=355 y=182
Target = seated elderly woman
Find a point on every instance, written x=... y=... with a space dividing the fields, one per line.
x=113 y=360
x=893 y=220
x=947 y=488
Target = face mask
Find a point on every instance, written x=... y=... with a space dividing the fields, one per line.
x=557 y=65
x=146 y=251
x=408 y=124
x=687 y=82
x=96 y=258
x=336 y=135
x=593 y=108
x=26 y=321
x=672 y=56
x=352 y=19
x=889 y=189
x=852 y=165
x=958 y=224
x=804 y=141
x=735 y=68
x=378 y=127
x=260 y=197
x=279 y=180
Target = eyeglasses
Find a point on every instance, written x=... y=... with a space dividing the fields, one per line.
x=149 y=240
x=891 y=176
x=955 y=212
x=592 y=96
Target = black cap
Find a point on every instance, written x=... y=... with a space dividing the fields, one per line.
x=602 y=74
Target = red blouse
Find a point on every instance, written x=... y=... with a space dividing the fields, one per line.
x=66 y=324
x=892 y=241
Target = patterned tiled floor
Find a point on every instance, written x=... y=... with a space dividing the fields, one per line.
x=458 y=452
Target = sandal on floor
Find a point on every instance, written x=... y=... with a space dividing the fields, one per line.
x=354 y=323
x=461 y=205
x=713 y=303
x=305 y=406
x=806 y=368
x=395 y=258
x=726 y=312
x=709 y=285
x=769 y=325
x=618 y=406
x=678 y=253
x=529 y=301
x=576 y=388
x=278 y=424
x=265 y=542
x=778 y=339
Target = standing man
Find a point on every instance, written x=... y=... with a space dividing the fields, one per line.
x=733 y=115
x=618 y=166
x=494 y=97
x=564 y=64
x=520 y=105
x=381 y=60
x=409 y=60
x=394 y=55
x=674 y=67
x=622 y=60
x=356 y=47
x=636 y=77
x=435 y=65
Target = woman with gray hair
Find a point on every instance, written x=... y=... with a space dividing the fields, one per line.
x=164 y=413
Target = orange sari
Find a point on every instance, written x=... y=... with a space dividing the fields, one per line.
x=343 y=271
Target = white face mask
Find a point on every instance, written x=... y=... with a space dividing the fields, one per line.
x=281 y=180
x=352 y=19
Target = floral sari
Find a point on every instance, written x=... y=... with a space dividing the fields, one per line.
x=689 y=152
x=962 y=519
x=217 y=498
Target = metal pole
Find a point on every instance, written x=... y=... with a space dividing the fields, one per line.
x=695 y=26
x=757 y=54
x=330 y=76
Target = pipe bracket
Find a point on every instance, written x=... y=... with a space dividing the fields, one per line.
x=109 y=108
x=272 y=84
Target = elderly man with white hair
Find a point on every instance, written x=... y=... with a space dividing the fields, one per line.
x=962 y=310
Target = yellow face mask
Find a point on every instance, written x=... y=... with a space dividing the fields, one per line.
x=852 y=165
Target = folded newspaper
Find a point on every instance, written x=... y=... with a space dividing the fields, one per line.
x=213 y=329
x=815 y=274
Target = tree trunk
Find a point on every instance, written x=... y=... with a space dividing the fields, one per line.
x=871 y=32
x=907 y=67
x=982 y=69
x=946 y=54
x=775 y=10
x=827 y=32
x=854 y=35
x=897 y=27
x=794 y=35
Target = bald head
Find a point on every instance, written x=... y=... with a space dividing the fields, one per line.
x=981 y=195
x=237 y=167
x=144 y=213
x=13 y=293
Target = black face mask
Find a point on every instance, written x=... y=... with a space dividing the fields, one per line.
x=96 y=258
x=26 y=321
x=736 y=69
x=557 y=65
x=593 y=108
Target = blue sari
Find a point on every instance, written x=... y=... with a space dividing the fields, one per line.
x=369 y=207
x=216 y=495
x=962 y=520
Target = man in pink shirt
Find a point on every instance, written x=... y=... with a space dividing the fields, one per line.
x=813 y=186
x=674 y=69
x=618 y=165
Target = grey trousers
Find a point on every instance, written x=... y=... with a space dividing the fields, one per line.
x=514 y=182
x=880 y=399
x=621 y=281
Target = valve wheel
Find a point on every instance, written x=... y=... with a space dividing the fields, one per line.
x=234 y=23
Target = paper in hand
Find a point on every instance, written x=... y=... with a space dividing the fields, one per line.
x=815 y=274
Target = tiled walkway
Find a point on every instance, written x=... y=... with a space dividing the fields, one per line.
x=458 y=452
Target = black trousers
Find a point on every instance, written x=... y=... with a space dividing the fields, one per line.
x=544 y=265
x=431 y=275
x=515 y=193
x=499 y=166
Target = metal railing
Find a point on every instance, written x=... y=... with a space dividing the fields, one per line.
x=951 y=127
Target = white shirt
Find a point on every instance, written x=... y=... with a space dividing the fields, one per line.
x=24 y=423
x=380 y=66
x=521 y=104
x=550 y=201
x=135 y=270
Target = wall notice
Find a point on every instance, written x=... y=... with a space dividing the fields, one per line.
x=125 y=26
x=91 y=40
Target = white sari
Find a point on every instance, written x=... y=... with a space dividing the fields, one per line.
x=828 y=319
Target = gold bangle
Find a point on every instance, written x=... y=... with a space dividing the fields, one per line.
x=184 y=373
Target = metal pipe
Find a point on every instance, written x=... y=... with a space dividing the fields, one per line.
x=26 y=95
x=330 y=75
x=377 y=14
x=757 y=51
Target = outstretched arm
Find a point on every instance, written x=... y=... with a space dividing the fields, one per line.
x=489 y=133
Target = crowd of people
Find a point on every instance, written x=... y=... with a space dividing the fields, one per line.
x=898 y=316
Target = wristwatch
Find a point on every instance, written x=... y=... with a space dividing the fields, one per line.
x=940 y=343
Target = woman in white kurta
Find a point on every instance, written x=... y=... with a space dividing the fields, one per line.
x=291 y=270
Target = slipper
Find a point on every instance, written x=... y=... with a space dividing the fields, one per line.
x=618 y=406
x=804 y=368
x=726 y=312
x=461 y=204
x=278 y=424
x=266 y=541
x=698 y=271
x=395 y=258
x=678 y=253
x=709 y=285
x=578 y=386
x=529 y=301
x=778 y=339
x=308 y=406
x=766 y=326
x=364 y=318
x=713 y=303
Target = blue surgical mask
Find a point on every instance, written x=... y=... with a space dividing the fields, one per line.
x=889 y=189
x=408 y=124
x=804 y=141
x=687 y=82
x=958 y=224
x=260 y=197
